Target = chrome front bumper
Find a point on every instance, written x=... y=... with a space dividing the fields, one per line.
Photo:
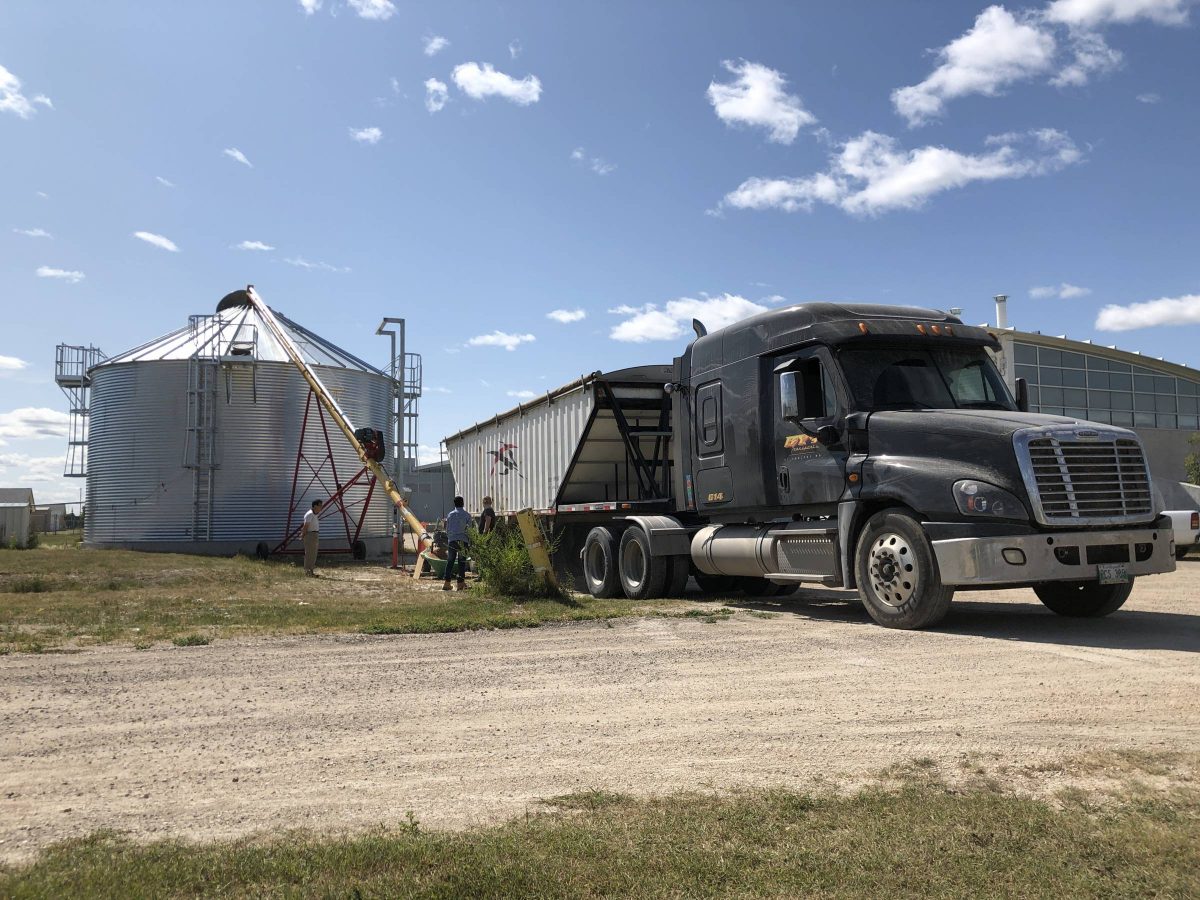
x=997 y=560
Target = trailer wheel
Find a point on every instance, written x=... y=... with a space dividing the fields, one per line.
x=716 y=584
x=898 y=577
x=600 y=564
x=677 y=580
x=1083 y=599
x=642 y=576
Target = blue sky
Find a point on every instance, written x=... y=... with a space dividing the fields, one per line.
x=474 y=167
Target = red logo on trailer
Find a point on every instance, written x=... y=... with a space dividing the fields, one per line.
x=504 y=457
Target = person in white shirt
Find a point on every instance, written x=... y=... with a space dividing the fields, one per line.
x=311 y=532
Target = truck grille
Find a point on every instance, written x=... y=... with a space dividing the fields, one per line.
x=1092 y=480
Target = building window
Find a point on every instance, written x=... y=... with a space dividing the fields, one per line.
x=1066 y=382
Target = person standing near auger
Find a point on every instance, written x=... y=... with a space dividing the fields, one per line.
x=310 y=531
x=457 y=524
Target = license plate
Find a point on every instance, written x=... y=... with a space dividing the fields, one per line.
x=1113 y=573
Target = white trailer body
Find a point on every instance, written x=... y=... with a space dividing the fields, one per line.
x=567 y=447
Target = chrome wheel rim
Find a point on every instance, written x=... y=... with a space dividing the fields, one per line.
x=594 y=563
x=633 y=564
x=892 y=566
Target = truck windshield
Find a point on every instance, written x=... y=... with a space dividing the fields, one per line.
x=922 y=378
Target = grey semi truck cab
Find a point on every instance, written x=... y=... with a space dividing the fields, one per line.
x=879 y=448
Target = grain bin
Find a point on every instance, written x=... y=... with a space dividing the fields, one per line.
x=194 y=439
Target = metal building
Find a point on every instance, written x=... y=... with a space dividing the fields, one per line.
x=207 y=439
x=1159 y=400
x=16 y=516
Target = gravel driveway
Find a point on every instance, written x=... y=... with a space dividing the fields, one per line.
x=346 y=732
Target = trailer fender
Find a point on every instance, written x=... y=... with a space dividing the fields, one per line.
x=668 y=536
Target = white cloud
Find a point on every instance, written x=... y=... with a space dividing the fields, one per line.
x=674 y=319
x=376 y=10
x=522 y=395
x=1093 y=56
x=434 y=44
x=998 y=50
x=12 y=364
x=428 y=454
x=43 y=195
x=310 y=6
x=31 y=469
x=871 y=174
x=370 y=135
x=514 y=48
x=1183 y=310
x=236 y=154
x=301 y=263
x=480 y=81
x=1062 y=291
x=597 y=164
x=500 y=339
x=1150 y=97
x=254 y=245
x=164 y=181
x=1095 y=13
x=156 y=240
x=757 y=98
x=566 y=315
x=436 y=94
x=69 y=276
x=34 y=232
x=13 y=101
x=395 y=85
x=32 y=423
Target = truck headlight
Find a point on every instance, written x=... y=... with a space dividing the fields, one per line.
x=978 y=498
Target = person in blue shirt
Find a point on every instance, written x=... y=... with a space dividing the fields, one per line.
x=457 y=524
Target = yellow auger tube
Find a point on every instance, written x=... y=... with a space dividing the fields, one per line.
x=347 y=427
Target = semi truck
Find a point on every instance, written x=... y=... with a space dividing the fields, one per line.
x=852 y=446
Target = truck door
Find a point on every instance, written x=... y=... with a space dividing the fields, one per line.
x=806 y=399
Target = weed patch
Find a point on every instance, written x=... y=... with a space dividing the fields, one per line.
x=191 y=640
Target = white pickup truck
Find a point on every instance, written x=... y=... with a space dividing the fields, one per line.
x=1186 y=525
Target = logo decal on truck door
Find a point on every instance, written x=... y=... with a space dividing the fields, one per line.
x=799 y=442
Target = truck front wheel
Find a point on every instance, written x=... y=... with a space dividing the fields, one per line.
x=1083 y=599
x=600 y=564
x=898 y=578
x=642 y=576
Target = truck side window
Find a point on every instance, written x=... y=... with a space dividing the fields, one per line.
x=806 y=392
x=709 y=433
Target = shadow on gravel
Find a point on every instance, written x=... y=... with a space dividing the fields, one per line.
x=1126 y=629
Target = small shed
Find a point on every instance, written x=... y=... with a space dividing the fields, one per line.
x=16 y=516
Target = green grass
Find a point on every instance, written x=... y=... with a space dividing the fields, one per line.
x=63 y=597
x=921 y=839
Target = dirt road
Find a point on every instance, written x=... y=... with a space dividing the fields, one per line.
x=332 y=732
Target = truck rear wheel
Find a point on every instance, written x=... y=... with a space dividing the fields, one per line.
x=600 y=564
x=642 y=576
x=760 y=587
x=716 y=584
x=678 y=578
x=898 y=577
x=1083 y=599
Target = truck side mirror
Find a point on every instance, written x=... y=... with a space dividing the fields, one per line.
x=827 y=435
x=1022 y=395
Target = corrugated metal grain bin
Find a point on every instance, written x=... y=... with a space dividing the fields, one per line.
x=567 y=446
x=193 y=438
